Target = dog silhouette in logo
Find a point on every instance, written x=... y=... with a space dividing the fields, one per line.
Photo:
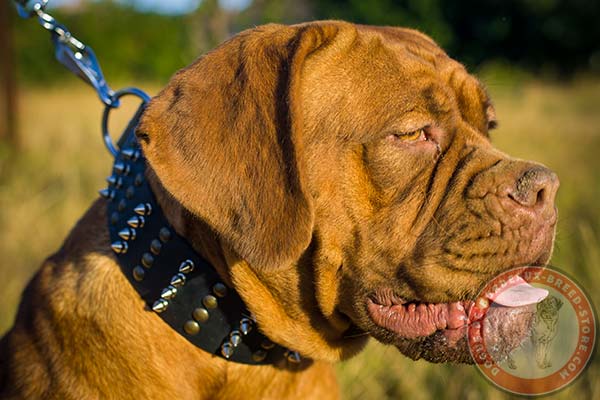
x=543 y=331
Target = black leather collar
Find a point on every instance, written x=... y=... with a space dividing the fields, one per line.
x=174 y=281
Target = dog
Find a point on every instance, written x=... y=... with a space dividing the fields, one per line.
x=340 y=178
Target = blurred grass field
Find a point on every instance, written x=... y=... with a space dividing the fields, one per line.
x=49 y=182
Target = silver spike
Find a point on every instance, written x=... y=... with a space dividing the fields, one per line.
x=293 y=357
x=178 y=280
x=119 y=247
x=131 y=154
x=186 y=267
x=127 y=234
x=169 y=292
x=227 y=350
x=115 y=181
x=245 y=325
x=136 y=221
x=143 y=209
x=107 y=193
x=121 y=168
x=160 y=305
x=235 y=338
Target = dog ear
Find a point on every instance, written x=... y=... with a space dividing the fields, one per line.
x=225 y=139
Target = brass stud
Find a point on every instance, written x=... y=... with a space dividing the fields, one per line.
x=122 y=205
x=191 y=327
x=138 y=273
x=160 y=305
x=114 y=218
x=139 y=179
x=127 y=234
x=293 y=357
x=121 y=168
x=227 y=350
x=235 y=338
x=210 y=301
x=107 y=193
x=136 y=221
x=186 y=267
x=164 y=234
x=259 y=355
x=147 y=260
x=219 y=289
x=245 y=325
x=155 y=246
x=143 y=209
x=169 y=292
x=178 y=280
x=200 y=314
x=267 y=344
x=119 y=247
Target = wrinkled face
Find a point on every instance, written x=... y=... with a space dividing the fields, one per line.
x=422 y=207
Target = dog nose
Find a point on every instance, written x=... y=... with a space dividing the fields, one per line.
x=535 y=189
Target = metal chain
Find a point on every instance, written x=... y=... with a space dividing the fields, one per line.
x=79 y=59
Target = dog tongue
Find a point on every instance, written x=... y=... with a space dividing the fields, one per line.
x=519 y=293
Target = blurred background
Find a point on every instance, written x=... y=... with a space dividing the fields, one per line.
x=540 y=60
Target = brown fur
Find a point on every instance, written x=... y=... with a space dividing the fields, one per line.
x=272 y=155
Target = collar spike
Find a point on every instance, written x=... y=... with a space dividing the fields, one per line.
x=169 y=292
x=160 y=305
x=227 y=350
x=143 y=209
x=130 y=154
x=136 y=221
x=119 y=247
x=121 y=168
x=107 y=193
x=178 y=280
x=186 y=267
x=127 y=234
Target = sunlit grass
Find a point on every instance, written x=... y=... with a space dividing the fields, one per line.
x=47 y=185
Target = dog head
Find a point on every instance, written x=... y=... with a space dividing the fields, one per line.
x=348 y=173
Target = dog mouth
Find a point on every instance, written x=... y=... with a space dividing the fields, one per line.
x=502 y=319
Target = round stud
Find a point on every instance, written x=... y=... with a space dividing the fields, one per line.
x=259 y=356
x=219 y=289
x=235 y=338
x=267 y=344
x=186 y=267
x=227 y=350
x=122 y=205
x=139 y=179
x=164 y=234
x=130 y=192
x=147 y=260
x=169 y=292
x=178 y=280
x=200 y=314
x=138 y=273
x=114 y=218
x=155 y=246
x=293 y=357
x=245 y=325
x=191 y=327
x=210 y=301
x=143 y=209
x=160 y=305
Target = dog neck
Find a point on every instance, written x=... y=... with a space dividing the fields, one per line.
x=186 y=284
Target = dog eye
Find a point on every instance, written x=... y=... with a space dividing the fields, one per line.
x=414 y=136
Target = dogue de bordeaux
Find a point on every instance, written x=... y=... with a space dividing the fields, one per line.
x=340 y=178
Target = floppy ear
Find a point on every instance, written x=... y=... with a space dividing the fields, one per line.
x=225 y=139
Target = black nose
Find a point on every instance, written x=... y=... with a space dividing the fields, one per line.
x=535 y=189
